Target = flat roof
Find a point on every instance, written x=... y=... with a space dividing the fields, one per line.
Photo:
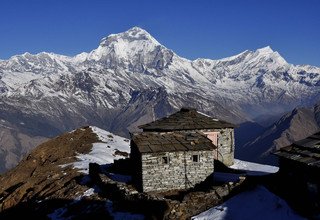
x=186 y=119
x=306 y=151
x=154 y=142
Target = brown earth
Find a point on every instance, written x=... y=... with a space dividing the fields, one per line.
x=40 y=183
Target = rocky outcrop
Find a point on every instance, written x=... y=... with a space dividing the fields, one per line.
x=42 y=180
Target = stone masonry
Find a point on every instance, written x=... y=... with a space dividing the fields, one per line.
x=178 y=151
x=225 y=144
x=171 y=160
x=221 y=133
x=181 y=172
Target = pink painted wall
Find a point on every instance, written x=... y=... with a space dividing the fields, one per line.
x=213 y=136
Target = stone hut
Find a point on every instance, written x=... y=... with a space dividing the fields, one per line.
x=178 y=151
x=221 y=133
x=299 y=165
x=171 y=160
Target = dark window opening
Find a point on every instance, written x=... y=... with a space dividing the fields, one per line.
x=165 y=160
x=195 y=158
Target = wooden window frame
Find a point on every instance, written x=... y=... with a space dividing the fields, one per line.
x=165 y=160
x=195 y=158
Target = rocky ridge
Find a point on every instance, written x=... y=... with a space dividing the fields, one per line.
x=48 y=180
x=293 y=126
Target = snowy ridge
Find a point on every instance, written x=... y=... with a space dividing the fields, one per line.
x=133 y=60
x=102 y=152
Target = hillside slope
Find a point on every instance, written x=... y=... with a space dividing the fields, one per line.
x=294 y=126
x=54 y=175
x=52 y=182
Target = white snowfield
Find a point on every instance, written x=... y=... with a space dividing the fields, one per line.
x=251 y=205
x=102 y=152
x=249 y=168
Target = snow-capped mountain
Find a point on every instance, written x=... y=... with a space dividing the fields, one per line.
x=130 y=78
x=134 y=60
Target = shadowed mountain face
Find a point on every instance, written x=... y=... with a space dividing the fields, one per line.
x=131 y=79
x=294 y=126
x=246 y=131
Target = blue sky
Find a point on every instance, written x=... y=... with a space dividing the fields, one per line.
x=209 y=29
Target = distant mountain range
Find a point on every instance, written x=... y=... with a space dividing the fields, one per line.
x=291 y=127
x=131 y=79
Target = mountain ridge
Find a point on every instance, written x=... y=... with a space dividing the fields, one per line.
x=47 y=94
x=293 y=126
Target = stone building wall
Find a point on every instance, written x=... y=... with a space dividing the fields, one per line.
x=226 y=146
x=180 y=172
x=225 y=142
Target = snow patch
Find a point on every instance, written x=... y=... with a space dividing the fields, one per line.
x=103 y=152
x=89 y=192
x=249 y=169
x=253 y=168
x=250 y=205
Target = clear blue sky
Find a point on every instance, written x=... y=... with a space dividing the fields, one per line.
x=196 y=28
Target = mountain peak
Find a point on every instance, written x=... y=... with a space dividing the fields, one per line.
x=265 y=50
x=135 y=48
x=131 y=35
x=271 y=55
x=136 y=30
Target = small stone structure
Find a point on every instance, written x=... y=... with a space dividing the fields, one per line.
x=178 y=151
x=299 y=171
x=221 y=133
x=158 y=205
x=171 y=160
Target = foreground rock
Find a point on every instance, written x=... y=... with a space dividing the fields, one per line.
x=40 y=184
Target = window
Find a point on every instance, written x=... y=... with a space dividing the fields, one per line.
x=165 y=160
x=195 y=158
